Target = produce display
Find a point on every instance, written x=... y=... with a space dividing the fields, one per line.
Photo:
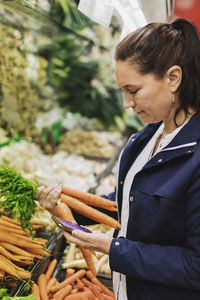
x=18 y=196
x=76 y=284
x=89 y=143
x=18 y=250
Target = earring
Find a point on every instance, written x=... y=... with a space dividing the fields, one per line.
x=173 y=101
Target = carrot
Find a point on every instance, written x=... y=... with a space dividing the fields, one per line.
x=96 y=292
x=88 y=258
x=35 y=290
x=38 y=241
x=11 y=220
x=10 y=256
x=2 y=274
x=86 y=282
x=74 y=290
x=89 y=198
x=69 y=272
x=11 y=239
x=80 y=296
x=42 y=287
x=1 y=210
x=39 y=251
x=106 y=297
x=12 y=230
x=89 y=212
x=70 y=280
x=8 y=267
x=65 y=212
x=64 y=292
x=98 y=283
x=52 y=281
x=16 y=249
x=7 y=223
x=80 y=285
x=50 y=269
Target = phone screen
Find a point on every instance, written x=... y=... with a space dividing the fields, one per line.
x=68 y=226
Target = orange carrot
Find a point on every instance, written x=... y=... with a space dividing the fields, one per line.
x=42 y=287
x=7 y=223
x=39 y=251
x=96 y=292
x=88 y=258
x=89 y=212
x=16 y=249
x=64 y=292
x=80 y=296
x=39 y=241
x=36 y=292
x=52 y=281
x=89 y=198
x=8 y=267
x=80 y=285
x=50 y=269
x=11 y=239
x=12 y=230
x=74 y=290
x=2 y=274
x=106 y=297
x=10 y=256
x=11 y=220
x=65 y=212
x=70 y=280
x=98 y=283
x=69 y=272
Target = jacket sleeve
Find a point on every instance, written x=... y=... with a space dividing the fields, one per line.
x=168 y=265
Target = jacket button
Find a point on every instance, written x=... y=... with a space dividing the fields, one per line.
x=160 y=160
x=121 y=182
x=116 y=243
x=131 y=199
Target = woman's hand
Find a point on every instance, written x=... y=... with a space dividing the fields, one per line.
x=94 y=241
x=48 y=196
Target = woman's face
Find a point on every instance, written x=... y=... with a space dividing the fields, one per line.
x=149 y=97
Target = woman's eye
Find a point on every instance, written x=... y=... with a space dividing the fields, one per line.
x=133 y=91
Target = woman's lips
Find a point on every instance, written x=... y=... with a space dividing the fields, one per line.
x=140 y=112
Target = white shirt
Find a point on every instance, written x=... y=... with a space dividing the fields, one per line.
x=119 y=280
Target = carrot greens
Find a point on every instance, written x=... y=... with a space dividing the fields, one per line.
x=18 y=196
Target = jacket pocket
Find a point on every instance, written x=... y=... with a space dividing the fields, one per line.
x=156 y=219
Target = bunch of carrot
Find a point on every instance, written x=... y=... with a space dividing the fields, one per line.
x=77 y=285
x=82 y=202
x=18 y=249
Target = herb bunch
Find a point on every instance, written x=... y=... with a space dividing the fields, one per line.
x=18 y=196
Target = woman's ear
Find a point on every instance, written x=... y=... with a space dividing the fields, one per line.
x=174 y=75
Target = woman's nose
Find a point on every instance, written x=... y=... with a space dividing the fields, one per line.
x=128 y=103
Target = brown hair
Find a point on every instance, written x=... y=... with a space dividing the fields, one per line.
x=156 y=47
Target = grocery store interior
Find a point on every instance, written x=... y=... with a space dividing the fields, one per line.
x=62 y=121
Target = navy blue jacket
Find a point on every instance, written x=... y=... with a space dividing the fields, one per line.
x=161 y=254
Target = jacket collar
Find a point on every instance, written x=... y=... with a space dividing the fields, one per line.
x=184 y=143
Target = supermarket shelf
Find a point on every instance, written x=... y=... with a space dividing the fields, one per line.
x=42 y=19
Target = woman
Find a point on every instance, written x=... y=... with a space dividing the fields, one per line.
x=156 y=254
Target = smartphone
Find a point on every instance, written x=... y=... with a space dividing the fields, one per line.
x=68 y=226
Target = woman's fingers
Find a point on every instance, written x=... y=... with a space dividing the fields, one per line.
x=93 y=241
x=48 y=195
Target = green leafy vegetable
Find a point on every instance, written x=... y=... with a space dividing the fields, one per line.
x=18 y=196
x=4 y=296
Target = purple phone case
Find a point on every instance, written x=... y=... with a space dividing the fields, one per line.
x=72 y=225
